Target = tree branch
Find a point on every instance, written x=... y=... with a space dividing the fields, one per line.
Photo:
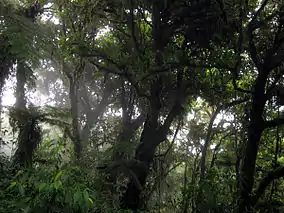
x=274 y=123
x=256 y=14
x=138 y=121
x=175 y=111
x=93 y=115
x=127 y=75
x=270 y=90
x=217 y=147
x=173 y=141
x=234 y=103
x=273 y=175
x=174 y=65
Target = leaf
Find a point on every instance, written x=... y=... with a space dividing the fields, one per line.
x=281 y=161
x=68 y=196
x=59 y=174
x=91 y=202
x=57 y=185
x=86 y=194
x=21 y=189
x=12 y=185
x=77 y=197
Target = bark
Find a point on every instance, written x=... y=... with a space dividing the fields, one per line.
x=144 y=154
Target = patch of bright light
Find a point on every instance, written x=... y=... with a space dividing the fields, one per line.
x=8 y=98
x=48 y=16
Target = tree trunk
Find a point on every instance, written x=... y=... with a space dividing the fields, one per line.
x=144 y=156
x=73 y=96
x=20 y=88
x=151 y=137
x=255 y=130
x=153 y=133
x=23 y=154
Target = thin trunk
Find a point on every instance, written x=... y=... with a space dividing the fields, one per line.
x=3 y=75
x=207 y=143
x=185 y=191
x=195 y=169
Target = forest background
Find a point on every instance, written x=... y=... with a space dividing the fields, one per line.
x=141 y=106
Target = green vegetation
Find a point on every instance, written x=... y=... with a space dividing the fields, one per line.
x=142 y=106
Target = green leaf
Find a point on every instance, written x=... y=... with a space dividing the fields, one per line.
x=21 y=189
x=59 y=174
x=12 y=185
x=281 y=161
x=57 y=185
x=77 y=197
x=86 y=194
x=91 y=202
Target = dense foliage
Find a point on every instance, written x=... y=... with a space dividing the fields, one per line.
x=141 y=106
